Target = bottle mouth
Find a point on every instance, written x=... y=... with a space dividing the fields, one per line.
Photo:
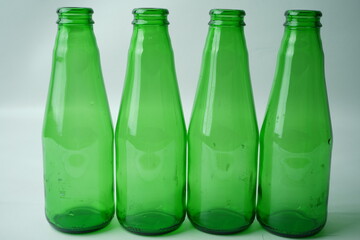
x=75 y=15
x=227 y=17
x=303 y=18
x=150 y=16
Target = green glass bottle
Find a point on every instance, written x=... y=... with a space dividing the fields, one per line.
x=223 y=133
x=77 y=133
x=296 y=137
x=150 y=132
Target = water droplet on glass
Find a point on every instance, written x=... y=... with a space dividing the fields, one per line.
x=227 y=167
x=62 y=194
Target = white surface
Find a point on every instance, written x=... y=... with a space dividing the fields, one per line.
x=27 y=37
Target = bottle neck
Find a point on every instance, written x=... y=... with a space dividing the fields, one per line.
x=146 y=21
x=75 y=24
x=225 y=38
x=302 y=35
x=150 y=29
x=75 y=39
x=302 y=39
x=147 y=17
x=75 y=31
x=302 y=19
x=150 y=78
x=150 y=37
x=84 y=28
x=225 y=58
x=301 y=59
x=226 y=31
x=226 y=18
x=69 y=16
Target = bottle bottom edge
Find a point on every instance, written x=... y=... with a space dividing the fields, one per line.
x=210 y=222
x=151 y=223
x=277 y=231
x=80 y=220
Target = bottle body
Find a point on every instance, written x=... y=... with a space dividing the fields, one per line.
x=77 y=134
x=223 y=134
x=296 y=136
x=150 y=133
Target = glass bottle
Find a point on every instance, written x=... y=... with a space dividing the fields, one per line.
x=296 y=137
x=223 y=133
x=77 y=133
x=150 y=132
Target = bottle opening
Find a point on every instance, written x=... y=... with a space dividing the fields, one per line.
x=303 y=18
x=227 y=17
x=150 y=16
x=75 y=15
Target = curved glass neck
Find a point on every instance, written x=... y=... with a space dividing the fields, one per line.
x=75 y=30
x=227 y=18
x=302 y=27
x=302 y=38
x=302 y=19
x=150 y=17
x=69 y=16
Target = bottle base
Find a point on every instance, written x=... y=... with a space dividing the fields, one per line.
x=220 y=222
x=290 y=224
x=151 y=223
x=80 y=220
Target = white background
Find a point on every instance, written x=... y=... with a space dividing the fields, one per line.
x=27 y=35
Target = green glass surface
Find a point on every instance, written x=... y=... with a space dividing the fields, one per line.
x=150 y=132
x=296 y=136
x=77 y=133
x=223 y=133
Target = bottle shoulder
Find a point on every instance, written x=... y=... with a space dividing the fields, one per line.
x=66 y=118
x=312 y=129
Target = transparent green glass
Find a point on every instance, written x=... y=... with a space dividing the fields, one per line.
x=150 y=132
x=296 y=136
x=77 y=133
x=223 y=133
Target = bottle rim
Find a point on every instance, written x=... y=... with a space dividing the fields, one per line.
x=227 y=17
x=151 y=11
x=74 y=10
x=150 y=16
x=75 y=16
x=303 y=13
x=302 y=19
x=227 y=12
